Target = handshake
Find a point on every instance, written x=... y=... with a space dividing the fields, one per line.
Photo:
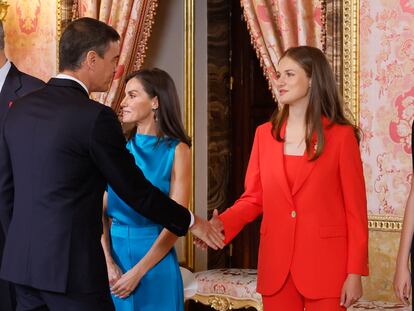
x=208 y=233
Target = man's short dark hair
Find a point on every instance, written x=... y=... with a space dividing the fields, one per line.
x=81 y=36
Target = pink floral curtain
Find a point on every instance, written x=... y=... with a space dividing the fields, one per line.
x=133 y=20
x=276 y=25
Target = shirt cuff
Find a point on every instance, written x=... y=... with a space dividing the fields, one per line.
x=191 y=220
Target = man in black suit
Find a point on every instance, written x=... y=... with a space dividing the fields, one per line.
x=59 y=149
x=13 y=84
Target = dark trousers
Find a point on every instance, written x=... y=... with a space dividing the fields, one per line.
x=31 y=299
x=7 y=296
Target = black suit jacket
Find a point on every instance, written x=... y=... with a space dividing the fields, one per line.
x=58 y=151
x=16 y=85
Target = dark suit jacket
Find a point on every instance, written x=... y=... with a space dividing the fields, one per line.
x=16 y=85
x=58 y=151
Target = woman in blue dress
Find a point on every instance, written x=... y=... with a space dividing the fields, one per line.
x=142 y=264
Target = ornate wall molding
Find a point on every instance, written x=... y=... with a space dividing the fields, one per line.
x=350 y=58
x=384 y=223
x=189 y=108
x=351 y=87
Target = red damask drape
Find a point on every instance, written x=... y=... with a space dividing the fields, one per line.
x=276 y=25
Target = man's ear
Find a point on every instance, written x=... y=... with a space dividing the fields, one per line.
x=90 y=60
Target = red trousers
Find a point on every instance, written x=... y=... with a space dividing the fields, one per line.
x=289 y=299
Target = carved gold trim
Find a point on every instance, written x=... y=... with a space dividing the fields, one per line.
x=189 y=107
x=224 y=303
x=385 y=223
x=58 y=30
x=350 y=58
x=3 y=10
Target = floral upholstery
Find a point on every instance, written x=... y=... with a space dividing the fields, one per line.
x=236 y=283
x=240 y=285
x=379 y=306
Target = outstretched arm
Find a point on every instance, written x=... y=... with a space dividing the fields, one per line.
x=107 y=148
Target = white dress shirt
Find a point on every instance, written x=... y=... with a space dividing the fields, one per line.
x=3 y=73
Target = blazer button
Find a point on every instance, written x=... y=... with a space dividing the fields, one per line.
x=293 y=214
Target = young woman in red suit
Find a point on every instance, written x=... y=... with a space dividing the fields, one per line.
x=305 y=177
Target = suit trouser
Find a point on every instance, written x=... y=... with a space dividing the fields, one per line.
x=31 y=299
x=7 y=296
x=289 y=298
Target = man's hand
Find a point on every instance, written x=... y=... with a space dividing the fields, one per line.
x=216 y=222
x=208 y=233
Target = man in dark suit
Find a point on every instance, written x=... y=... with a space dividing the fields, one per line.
x=13 y=84
x=58 y=150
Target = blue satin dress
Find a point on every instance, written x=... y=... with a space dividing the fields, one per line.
x=132 y=235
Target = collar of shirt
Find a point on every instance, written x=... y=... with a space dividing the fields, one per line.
x=65 y=76
x=3 y=73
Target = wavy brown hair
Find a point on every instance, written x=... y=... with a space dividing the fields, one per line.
x=158 y=83
x=324 y=99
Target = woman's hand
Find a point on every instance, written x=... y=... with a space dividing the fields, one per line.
x=402 y=284
x=127 y=283
x=216 y=222
x=114 y=272
x=351 y=291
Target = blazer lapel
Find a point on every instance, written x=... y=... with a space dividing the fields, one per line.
x=304 y=170
x=307 y=166
x=280 y=167
x=11 y=85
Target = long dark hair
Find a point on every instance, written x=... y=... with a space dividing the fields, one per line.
x=324 y=99
x=158 y=83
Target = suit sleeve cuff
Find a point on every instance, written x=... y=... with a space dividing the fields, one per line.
x=191 y=220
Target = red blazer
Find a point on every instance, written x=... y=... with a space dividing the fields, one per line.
x=318 y=230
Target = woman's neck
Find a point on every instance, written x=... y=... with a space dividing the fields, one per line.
x=297 y=115
x=147 y=128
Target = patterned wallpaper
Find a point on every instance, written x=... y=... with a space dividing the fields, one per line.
x=387 y=101
x=30 y=30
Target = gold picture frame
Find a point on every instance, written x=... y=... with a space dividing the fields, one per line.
x=351 y=86
x=189 y=110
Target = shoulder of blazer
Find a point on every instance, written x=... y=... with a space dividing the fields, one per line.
x=338 y=129
x=264 y=134
x=24 y=83
x=338 y=133
x=264 y=129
